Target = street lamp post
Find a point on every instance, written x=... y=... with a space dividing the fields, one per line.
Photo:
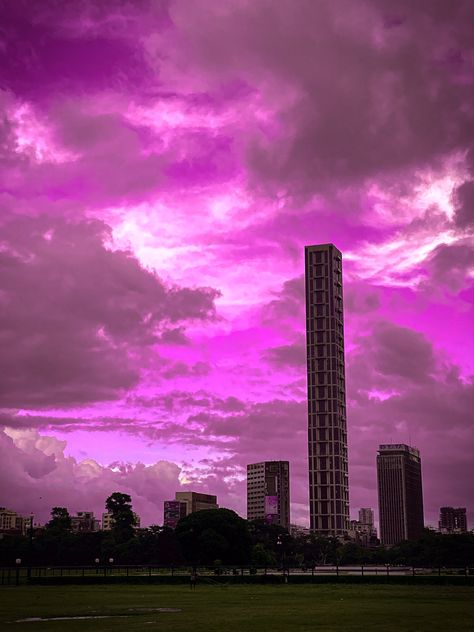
x=18 y=562
x=30 y=547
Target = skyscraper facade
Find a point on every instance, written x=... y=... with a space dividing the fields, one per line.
x=327 y=426
x=400 y=493
x=268 y=492
x=452 y=520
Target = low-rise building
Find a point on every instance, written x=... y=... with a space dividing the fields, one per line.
x=12 y=522
x=84 y=522
x=452 y=520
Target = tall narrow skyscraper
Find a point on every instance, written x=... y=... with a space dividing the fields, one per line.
x=327 y=428
x=400 y=493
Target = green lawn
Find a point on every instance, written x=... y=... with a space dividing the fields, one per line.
x=242 y=608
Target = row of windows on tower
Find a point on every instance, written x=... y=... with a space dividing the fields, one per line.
x=325 y=450
x=328 y=492
x=325 y=351
x=321 y=465
x=324 y=254
x=328 y=523
x=321 y=378
x=327 y=434
x=321 y=296
x=326 y=420
x=327 y=392
x=325 y=336
x=322 y=270
x=325 y=324
x=326 y=406
x=337 y=478
x=329 y=506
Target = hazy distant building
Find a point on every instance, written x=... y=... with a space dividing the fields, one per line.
x=366 y=516
x=12 y=522
x=174 y=510
x=268 y=492
x=400 y=493
x=327 y=432
x=84 y=521
x=196 y=501
x=363 y=530
x=452 y=520
x=298 y=530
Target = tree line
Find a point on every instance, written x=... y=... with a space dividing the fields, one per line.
x=216 y=537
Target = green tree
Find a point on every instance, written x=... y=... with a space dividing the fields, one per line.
x=214 y=534
x=262 y=556
x=120 y=506
x=60 y=520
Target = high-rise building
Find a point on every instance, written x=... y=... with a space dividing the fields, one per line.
x=452 y=520
x=327 y=428
x=196 y=502
x=400 y=493
x=174 y=510
x=366 y=516
x=268 y=492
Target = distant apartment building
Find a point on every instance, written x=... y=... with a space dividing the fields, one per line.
x=400 y=493
x=268 y=492
x=108 y=521
x=452 y=520
x=174 y=510
x=196 y=501
x=14 y=523
x=327 y=432
x=299 y=531
x=84 y=522
x=186 y=503
x=363 y=530
x=366 y=516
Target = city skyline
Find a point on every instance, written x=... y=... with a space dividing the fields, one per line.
x=161 y=170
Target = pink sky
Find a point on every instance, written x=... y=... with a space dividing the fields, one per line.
x=163 y=164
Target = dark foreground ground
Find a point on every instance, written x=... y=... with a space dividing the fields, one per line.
x=212 y=608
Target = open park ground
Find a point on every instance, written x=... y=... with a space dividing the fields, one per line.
x=238 y=608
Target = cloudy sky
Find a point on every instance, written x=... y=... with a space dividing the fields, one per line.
x=163 y=164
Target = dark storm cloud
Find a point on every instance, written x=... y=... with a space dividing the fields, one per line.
x=360 y=88
x=75 y=313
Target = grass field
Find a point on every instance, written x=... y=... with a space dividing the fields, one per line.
x=304 y=608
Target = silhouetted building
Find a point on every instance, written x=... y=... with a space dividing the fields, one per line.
x=268 y=492
x=400 y=493
x=196 y=501
x=452 y=520
x=327 y=431
x=174 y=510
x=84 y=522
